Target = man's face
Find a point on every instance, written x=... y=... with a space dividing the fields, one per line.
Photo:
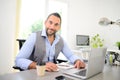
x=52 y=25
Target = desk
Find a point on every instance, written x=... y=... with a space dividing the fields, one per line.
x=109 y=73
x=113 y=50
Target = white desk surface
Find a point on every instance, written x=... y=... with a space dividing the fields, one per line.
x=109 y=73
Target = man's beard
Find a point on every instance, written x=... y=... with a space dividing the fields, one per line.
x=50 y=32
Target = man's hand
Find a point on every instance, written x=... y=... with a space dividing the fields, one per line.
x=51 y=67
x=79 y=64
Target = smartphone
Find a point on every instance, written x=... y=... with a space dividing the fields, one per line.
x=61 y=77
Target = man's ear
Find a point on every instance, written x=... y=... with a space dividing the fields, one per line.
x=59 y=27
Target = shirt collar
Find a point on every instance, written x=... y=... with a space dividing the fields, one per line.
x=45 y=35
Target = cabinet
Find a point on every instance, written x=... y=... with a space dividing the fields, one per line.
x=113 y=56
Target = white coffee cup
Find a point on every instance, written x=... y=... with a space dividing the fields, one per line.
x=40 y=70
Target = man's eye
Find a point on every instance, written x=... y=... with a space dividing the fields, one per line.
x=57 y=24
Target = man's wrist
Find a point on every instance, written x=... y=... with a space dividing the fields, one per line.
x=32 y=65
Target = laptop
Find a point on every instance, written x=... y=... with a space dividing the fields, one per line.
x=95 y=64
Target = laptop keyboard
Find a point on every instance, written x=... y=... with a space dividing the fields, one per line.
x=81 y=73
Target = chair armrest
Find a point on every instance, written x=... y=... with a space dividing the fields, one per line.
x=59 y=60
x=16 y=67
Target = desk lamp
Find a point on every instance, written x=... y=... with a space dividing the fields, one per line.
x=105 y=21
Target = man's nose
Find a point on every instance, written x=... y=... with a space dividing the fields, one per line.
x=52 y=26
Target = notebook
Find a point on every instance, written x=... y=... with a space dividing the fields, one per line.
x=94 y=66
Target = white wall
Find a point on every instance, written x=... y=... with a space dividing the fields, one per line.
x=7 y=30
x=83 y=17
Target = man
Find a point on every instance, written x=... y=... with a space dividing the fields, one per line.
x=45 y=46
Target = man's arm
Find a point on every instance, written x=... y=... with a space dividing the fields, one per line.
x=22 y=59
x=77 y=61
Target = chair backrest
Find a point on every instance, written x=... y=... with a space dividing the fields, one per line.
x=21 y=42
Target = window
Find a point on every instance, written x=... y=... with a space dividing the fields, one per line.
x=33 y=12
x=61 y=7
x=31 y=16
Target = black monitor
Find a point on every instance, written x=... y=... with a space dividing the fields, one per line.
x=82 y=40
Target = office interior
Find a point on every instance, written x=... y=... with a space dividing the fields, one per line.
x=82 y=18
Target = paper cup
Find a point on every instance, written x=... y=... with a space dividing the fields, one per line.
x=40 y=70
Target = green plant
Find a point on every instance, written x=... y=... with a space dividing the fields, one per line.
x=118 y=44
x=38 y=25
x=96 y=41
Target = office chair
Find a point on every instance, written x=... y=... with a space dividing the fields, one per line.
x=21 y=42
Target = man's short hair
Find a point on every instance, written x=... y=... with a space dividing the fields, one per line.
x=55 y=14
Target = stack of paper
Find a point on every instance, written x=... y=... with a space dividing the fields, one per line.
x=64 y=65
